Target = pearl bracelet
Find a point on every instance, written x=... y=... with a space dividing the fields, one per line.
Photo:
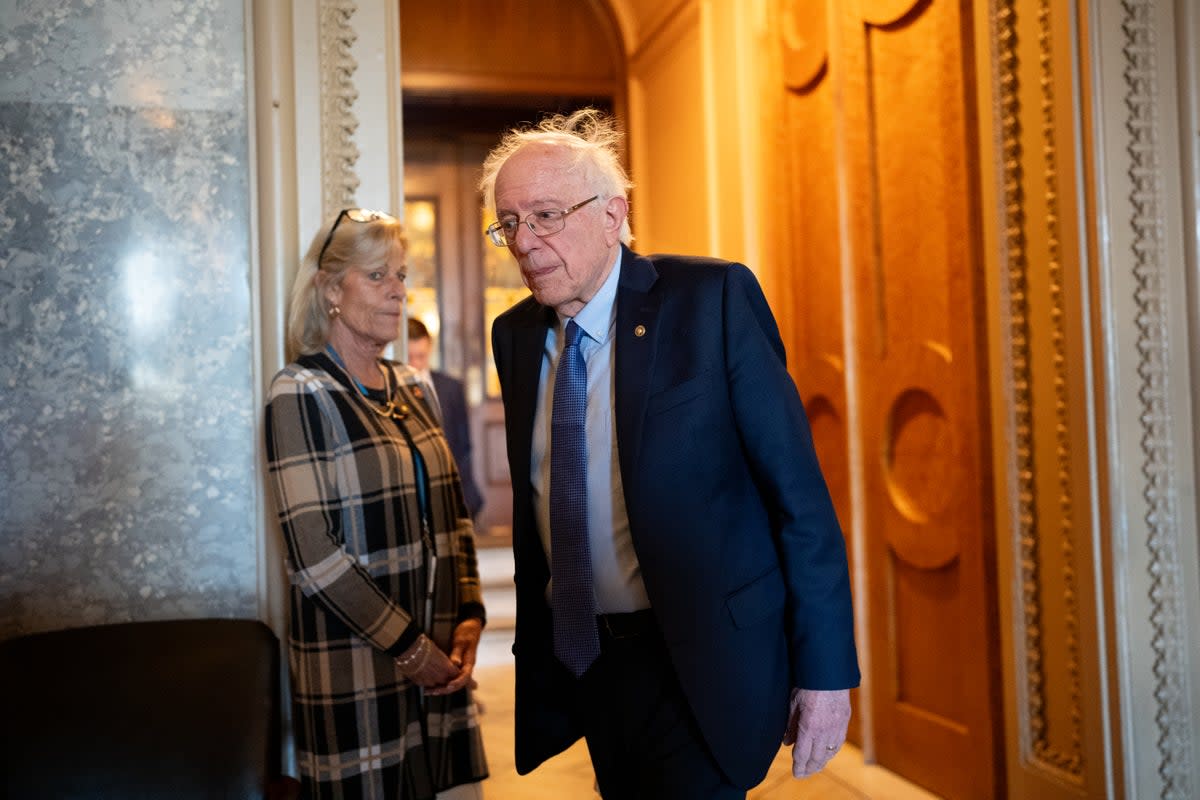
x=415 y=658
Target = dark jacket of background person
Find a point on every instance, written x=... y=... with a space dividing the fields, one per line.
x=453 y=401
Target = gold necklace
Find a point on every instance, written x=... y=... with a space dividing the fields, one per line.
x=391 y=410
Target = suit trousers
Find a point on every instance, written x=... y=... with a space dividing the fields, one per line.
x=642 y=737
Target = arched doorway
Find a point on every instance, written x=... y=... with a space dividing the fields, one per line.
x=460 y=93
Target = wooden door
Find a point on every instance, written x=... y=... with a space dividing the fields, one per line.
x=887 y=297
x=816 y=338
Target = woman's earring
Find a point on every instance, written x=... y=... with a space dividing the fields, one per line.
x=335 y=312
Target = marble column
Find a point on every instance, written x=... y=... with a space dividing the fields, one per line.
x=128 y=474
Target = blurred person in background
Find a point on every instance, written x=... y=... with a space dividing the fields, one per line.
x=450 y=400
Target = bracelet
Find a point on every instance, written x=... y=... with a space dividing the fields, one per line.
x=413 y=661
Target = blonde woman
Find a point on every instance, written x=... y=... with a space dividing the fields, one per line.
x=386 y=609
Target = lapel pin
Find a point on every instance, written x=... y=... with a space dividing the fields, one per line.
x=639 y=331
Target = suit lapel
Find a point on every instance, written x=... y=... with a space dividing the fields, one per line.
x=529 y=340
x=636 y=347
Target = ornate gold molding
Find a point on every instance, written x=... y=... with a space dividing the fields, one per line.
x=1070 y=761
x=339 y=154
x=1031 y=539
x=1019 y=369
x=1153 y=348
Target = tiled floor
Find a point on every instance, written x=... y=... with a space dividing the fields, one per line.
x=569 y=776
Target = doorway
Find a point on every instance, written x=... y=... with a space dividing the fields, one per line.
x=458 y=282
x=456 y=288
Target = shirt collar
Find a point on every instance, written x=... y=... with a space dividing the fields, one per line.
x=597 y=317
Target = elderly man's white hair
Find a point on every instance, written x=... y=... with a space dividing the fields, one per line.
x=592 y=137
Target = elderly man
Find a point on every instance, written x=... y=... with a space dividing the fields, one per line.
x=683 y=596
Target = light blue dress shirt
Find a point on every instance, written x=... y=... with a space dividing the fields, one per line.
x=617 y=576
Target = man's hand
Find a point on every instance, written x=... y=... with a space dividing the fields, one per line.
x=816 y=728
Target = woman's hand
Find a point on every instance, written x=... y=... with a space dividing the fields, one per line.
x=426 y=665
x=463 y=649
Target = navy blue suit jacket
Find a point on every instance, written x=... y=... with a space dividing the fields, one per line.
x=456 y=425
x=739 y=546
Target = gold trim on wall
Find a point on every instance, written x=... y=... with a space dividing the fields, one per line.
x=339 y=154
x=1067 y=760
x=1040 y=523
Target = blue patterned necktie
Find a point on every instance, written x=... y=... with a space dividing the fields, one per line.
x=576 y=643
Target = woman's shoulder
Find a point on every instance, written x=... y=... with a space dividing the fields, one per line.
x=302 y=376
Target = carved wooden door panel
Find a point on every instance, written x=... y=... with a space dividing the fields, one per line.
x=808 y=223
x=886 y=296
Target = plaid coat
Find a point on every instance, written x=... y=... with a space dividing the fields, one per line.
x=344 y=481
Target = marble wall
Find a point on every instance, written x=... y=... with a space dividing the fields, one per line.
x=128 y=483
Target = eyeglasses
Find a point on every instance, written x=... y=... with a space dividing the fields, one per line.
x=356 y=215
x=503 y=232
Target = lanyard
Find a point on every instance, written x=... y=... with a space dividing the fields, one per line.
x=421 y=474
